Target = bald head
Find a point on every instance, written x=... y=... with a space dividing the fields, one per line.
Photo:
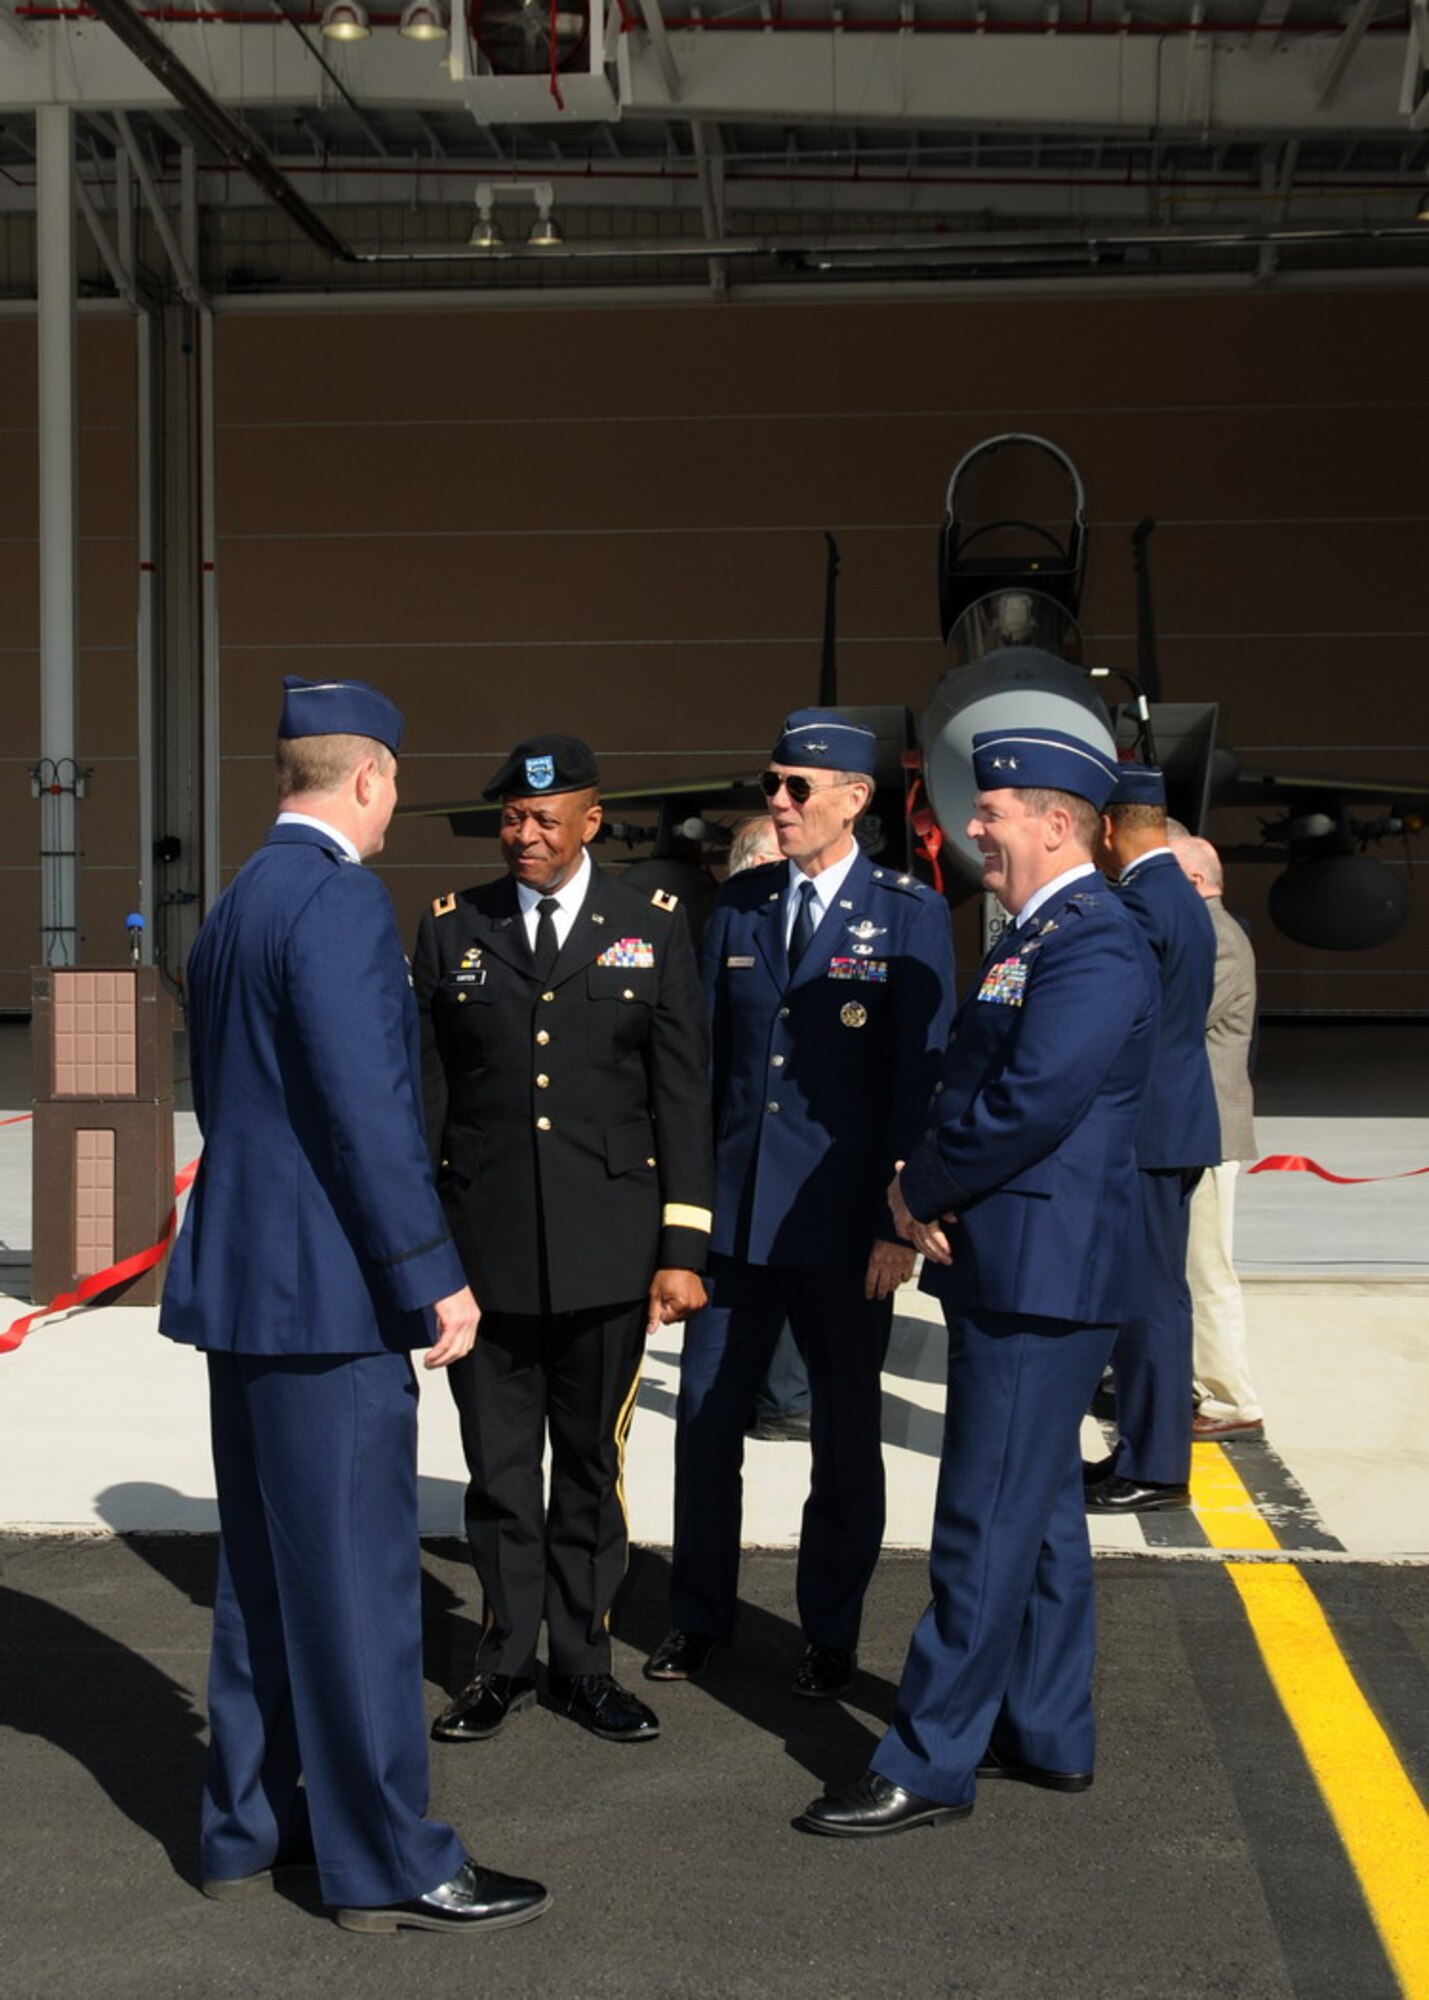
x=1200 y=864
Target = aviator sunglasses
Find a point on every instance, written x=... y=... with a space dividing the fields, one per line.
x=800 y=789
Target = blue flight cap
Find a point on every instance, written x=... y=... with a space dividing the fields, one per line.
x=1035 y=760
x=545 y=765
x=339 y=708
x=1138 y=785
x=820 y=739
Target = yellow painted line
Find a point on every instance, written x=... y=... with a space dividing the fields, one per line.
x=1223 y=1506
x=1375 y=1809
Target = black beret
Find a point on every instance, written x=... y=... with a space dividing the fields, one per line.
x=543 y=766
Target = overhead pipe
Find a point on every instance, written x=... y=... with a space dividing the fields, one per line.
x=1107 y=180
x=933 y=249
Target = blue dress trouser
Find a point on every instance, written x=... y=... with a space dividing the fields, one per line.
x=1003 y=1655
x=727 y=1350
x=1153 y=1358
x=315 y=1695
x=784 y=1391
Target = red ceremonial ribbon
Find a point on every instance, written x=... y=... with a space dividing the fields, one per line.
x=1296 y=1163
x=103 y=1281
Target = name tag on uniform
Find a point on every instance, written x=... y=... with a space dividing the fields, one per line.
x=873 y=970
x=739 y=961
x=472 y=976
x=1004 y=983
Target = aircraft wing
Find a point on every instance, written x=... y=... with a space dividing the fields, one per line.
x=739 y=793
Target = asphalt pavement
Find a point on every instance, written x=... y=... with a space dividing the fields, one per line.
x=1202 y=1863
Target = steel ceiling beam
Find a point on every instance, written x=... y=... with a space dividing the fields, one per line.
x=1345 y=50
x=214 y=123
x=1101 y=85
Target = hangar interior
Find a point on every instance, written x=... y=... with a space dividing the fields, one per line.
x=518 y=357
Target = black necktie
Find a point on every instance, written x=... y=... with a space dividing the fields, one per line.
x=548 y=945
x=802 y=935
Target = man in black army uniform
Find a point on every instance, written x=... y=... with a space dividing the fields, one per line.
x=565 y=1071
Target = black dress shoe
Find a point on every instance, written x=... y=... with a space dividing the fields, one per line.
x=993 y=1766
x=824 y=1673
x=600 y=1704
x=1135 y=1496
x=681 y=1656
x=788 y=1427
x=474 y=1899
x=1094 y=1471
x=482 y=1707
x=874 y=1804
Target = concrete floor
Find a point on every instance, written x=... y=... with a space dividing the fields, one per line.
x=104 y=1424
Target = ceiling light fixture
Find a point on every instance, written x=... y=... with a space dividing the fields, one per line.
x=545 y=232
x=422 y=22
x=345 y=21
x=485 y=234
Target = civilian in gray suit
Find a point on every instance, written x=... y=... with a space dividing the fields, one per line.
x=1227 y=1407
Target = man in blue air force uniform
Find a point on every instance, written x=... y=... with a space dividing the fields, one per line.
x=1022 y=1198
x=1178 y=1137
x=829 y=982
x=313 y=1257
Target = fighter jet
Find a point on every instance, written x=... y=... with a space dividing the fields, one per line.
x=1011 y=564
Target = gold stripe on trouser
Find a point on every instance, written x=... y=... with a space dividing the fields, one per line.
x=1375 y=1809
x=622 y=1433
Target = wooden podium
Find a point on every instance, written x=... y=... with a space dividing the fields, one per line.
x=103 y=1185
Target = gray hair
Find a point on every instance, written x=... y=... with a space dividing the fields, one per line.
x=1198 y=857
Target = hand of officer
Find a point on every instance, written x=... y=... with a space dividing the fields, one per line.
x=674 y=1295
x=889 y=1266
x=457 y=1318
x=929 y=1237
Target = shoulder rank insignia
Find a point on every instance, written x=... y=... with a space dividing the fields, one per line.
x=663 y=900
x=442 y=906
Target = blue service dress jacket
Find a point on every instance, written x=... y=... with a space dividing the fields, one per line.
x=822 y=1077
x=313 y=1226
x=1179 y=1123
x=1032 y=1135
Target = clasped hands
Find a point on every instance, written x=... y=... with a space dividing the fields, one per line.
x=929 y=1237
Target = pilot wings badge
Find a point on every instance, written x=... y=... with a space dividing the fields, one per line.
x=864 y=929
